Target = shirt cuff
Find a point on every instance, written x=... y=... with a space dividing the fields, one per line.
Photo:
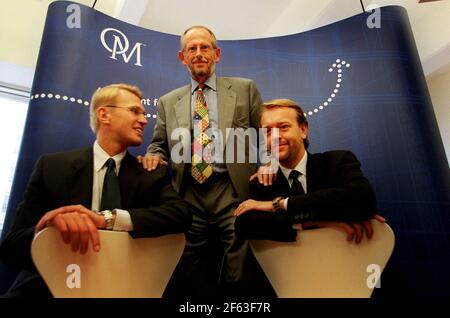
x=123 y=221
x=286 y=203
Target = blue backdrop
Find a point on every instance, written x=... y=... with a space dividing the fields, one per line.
x=363 y=89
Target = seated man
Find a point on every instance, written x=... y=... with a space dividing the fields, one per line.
x=309 y=190
x=100 y=187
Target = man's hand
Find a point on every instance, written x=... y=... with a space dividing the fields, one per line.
x=76 y=224
x=266 y=175
x=249 y=205
x=355 y=231
x=151 y=162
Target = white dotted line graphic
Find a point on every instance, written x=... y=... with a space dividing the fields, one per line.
x=58 y=96
x=65 y=98
x=339 y=65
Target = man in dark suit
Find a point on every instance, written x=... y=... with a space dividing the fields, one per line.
x=309 y=190
x=231 y=103
x=100 y=187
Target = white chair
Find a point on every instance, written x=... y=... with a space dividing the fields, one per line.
x=124 y=267
x=321 y=263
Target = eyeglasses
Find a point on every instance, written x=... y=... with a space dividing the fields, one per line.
x=134 y=109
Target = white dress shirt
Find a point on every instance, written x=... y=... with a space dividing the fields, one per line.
x=301 y=167
x=123 y=220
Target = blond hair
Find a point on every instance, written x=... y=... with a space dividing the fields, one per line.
x=106 y=95
x=288 y=103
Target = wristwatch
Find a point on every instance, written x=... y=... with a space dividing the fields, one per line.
x=276 y=204
x=109 y=218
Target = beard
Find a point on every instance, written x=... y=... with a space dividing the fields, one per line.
x=199 y=73
x=202 y=72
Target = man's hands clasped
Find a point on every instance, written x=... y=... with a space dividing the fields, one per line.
x=77 y=226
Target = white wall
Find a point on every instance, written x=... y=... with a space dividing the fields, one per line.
x=439 y=87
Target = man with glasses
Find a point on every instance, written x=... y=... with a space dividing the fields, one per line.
x=100 y=187
x=212 y=186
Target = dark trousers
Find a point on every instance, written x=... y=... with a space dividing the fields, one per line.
x=28 y=285
x=215 y=262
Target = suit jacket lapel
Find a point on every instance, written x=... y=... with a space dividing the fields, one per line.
x=128 y=180
x=226 y=102
x=282 y=184
x=183 y=108
x=279 y=188
x=79 y=180
x=313 y=173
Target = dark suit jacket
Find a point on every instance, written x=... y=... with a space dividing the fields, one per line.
x=66 y=178
x=337 y=191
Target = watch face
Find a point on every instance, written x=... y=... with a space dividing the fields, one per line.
x=109 y=218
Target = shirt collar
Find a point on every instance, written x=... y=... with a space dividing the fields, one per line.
x=101 y=156
x=301 y=167
x=210 y=82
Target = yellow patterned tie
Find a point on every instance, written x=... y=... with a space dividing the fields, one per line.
x=201 y=163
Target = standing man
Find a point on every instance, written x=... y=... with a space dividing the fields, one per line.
x=310 y=190
x=210 y=185
x=100 y=187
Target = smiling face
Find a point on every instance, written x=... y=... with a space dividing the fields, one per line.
x=199 y=53
x=122 y=122
x=127 y=125
x=291 y=137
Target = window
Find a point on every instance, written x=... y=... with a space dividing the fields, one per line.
x=13 y=110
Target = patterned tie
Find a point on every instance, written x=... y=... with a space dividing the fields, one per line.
x=111 y=191
x=296 y=188
x=201 y=164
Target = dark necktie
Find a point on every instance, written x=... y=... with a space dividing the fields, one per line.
x=296 y=188
x=111 y=190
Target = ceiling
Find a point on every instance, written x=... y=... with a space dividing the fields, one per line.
x=21 y=24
